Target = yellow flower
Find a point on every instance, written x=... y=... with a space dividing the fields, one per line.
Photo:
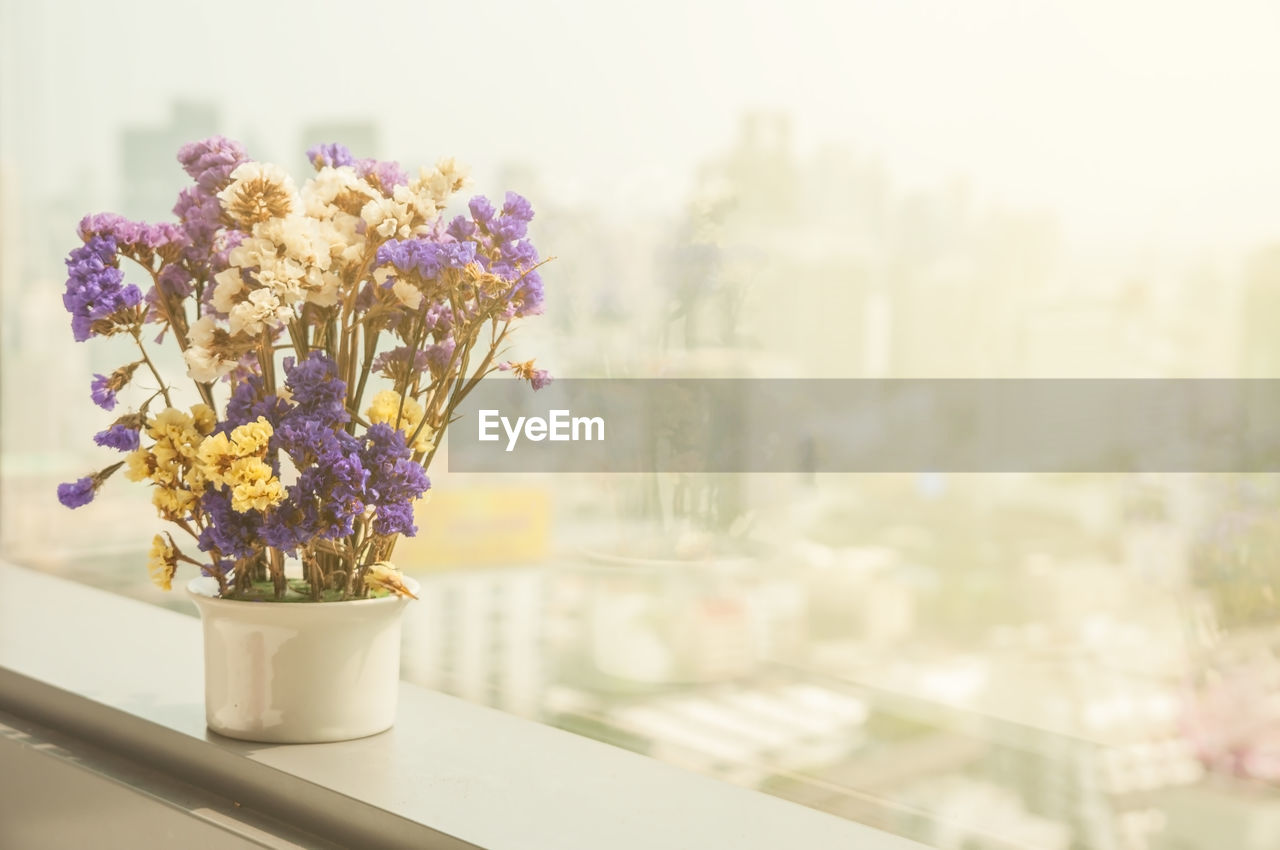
x=173 y=503
x=251 y=438
x=171 y=423
x=162 y=562
x=258 y=495
x=216 y=455
x=253 y=485
x=139 y=465
x=219 y=453
x=204 y=419
x=386 y=406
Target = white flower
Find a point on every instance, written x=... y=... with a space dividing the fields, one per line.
x=203 y=364
x=261 y=309
x=227 y=292
x=202 y=331
x=388 y=218
x=284 y=281
x=258 y=191
x=325 y=294
x=333 y=189
x=301 y=240
x=254 y=250
x=409 y=295
x=433 y=186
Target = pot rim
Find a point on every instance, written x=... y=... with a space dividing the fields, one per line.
x=198 y=591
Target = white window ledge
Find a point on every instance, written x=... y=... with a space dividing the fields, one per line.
x=125 y=678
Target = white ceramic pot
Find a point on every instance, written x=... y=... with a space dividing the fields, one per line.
x=299 y=672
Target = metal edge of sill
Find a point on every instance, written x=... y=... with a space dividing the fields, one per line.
x=59 y=791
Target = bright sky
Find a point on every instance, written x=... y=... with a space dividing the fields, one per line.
x=1133 y=120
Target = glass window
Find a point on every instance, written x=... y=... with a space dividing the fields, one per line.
x=979 y=660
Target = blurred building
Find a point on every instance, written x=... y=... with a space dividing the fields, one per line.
x=480 y=635
x=149 y=171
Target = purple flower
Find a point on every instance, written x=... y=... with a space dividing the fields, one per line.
x=481 y=209
x=96 y=295
x=462 y=228
x=78 y=493
x=394 y=364
x=234 y=534
x=333 y=154
x=133 y=238
x=438 y=319
x=330 y=491
x=383 y=176
x=395 y=481
x=210 y=162
x=526 y=296
x=119 y=437
x=395 y=518
x=249 y=400
x=518 y=207
x=425 y=258
x=103 y=395
x=318 y=393
x=201 y=216
x=175 y=281
x=439 y=355
x=539 y=379
x=502 y=249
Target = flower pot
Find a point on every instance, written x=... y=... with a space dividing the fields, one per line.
x=299 y=672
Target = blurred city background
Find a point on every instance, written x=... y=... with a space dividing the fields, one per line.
x=978 y=662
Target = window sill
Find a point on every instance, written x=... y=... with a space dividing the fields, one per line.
x=126 y=678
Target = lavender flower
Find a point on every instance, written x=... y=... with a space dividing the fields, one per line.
x=481 y=210
x=210 y=162
x=395 y=518
x=330 y=490
x=249 y=400
x=462 y=228
x=425 y=258
x=119 y=437
x=395 y=481
x=439 y=355
x=96 y=295
x=383 y=176
x=318 y=393
x=395 y=364
x=502 y=249
x=333 y=155
x=135 y=238
x=232 y=533
x=537 y=378
x=102 y=393
x=78 y=493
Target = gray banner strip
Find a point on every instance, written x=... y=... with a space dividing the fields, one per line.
x=757 y=425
